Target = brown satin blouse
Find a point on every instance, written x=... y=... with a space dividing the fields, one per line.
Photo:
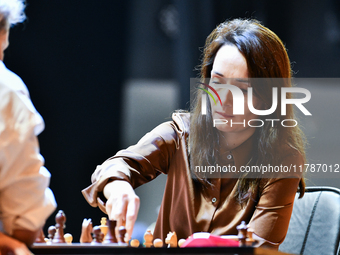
x=186 y=209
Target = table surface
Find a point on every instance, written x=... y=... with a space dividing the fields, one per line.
x=115 y=249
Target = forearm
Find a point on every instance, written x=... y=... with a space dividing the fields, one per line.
x=9 y=245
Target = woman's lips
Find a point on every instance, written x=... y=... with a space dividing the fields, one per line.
x=225 y=115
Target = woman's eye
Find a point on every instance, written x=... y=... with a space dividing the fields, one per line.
x=216 y=82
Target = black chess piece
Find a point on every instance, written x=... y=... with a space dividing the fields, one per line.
x=121 y=232
x=60 y=220
x=97 y=235
x=242 y=233
x=111 y=235
x=51 y=232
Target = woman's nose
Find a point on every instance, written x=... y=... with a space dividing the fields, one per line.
x=227 y=97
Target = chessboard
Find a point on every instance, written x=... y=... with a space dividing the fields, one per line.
x=102 y=239
x=77 y=249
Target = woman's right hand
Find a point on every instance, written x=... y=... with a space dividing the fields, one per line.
x=122 y=205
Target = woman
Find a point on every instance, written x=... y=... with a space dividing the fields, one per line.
x=194 y=201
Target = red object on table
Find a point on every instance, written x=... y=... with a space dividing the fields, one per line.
x=207 y=240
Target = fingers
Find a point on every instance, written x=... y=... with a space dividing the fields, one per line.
x=131 y=216
x=126 y=211
x=119 y=212
x=122 y=206
x=117 y=194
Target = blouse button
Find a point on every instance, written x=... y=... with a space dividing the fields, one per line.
x=214 y=199
x=229 y=156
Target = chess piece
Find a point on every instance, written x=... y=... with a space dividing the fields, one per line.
x=103 y=226
x=180 y=242
x=148 y=236
x=111 y=235
x=60 y=219
x=134 y=243
x=86 y=230
x=68 y=238
x=97 y=235
x=51 y=232
x=41 y=237
x=242 y=233
x=158 y=243
x=250 y=240
x=121 y=236
x=171 y=239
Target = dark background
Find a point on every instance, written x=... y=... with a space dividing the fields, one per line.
x=75 y=56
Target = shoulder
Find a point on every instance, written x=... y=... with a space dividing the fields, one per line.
x=15 y=102
x=181 y=121
x=170 y=131
x=11 y=81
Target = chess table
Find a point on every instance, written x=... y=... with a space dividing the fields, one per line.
x=57 y=243
x=118 y=249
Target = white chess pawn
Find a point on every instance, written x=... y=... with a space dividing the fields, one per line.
x=134 y=243
x=148 y=236
x=158 y=243
x=180 y=242
x=68 y=238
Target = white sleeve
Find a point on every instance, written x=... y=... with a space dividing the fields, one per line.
x=25 y=199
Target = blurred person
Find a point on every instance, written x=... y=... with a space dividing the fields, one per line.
x=235 y=52
x=25 y=199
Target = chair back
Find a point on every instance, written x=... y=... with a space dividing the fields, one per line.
x=315 y=223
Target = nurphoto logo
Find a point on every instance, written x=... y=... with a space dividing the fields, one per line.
x=238 y=102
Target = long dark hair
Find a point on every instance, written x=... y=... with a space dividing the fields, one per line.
x=266 y=57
